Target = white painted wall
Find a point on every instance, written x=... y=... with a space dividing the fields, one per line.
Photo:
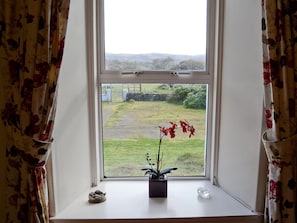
x=71 y=153
x=241 y=105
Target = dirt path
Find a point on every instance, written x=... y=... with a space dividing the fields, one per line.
x=127 y=127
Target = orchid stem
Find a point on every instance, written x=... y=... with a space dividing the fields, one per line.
x=158 y=156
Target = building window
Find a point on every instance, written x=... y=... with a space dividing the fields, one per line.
x=155 y=66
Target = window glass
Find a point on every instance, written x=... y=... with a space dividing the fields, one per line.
x=155 y=34
x=131 y=116
x=151 y=53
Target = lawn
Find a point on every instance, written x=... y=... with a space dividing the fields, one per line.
x=126 y=157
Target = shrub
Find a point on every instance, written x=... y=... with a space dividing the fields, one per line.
x=189 y=97
x=196 y=99
x=163 y=87
x=179 y=95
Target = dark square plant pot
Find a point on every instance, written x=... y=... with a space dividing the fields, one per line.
x=158 y=187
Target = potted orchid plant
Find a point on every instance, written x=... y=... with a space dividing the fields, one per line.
x=157 y=175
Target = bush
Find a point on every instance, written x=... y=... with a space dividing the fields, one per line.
x=179 y=95
x=189 y=97
x=163 y=87
x=197 y=99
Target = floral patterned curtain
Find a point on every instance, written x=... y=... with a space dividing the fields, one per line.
x=279 y=29
x=32 y=35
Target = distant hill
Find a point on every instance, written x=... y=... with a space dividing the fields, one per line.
x=152 y=56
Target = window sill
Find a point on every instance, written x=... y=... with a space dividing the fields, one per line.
x=128 y=201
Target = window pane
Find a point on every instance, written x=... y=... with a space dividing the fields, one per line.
x=155 y=34
x=131 y=116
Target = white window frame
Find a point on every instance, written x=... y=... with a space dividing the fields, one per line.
x=197 y=77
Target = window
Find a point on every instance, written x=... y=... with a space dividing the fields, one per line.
x=155 y=66
x=239 y=129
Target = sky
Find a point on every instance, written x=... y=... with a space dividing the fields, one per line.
x=155 y=26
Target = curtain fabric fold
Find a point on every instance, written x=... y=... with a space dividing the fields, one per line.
x=279 y=37
x=32 y=35
x=281 y=185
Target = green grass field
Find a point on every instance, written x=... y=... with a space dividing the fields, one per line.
x=126 y=157
x=131 y=130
